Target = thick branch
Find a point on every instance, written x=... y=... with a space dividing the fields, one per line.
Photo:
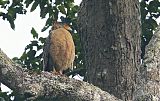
x=148 y=88
x=45 y=85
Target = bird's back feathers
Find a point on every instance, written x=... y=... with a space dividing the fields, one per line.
x=59 y=50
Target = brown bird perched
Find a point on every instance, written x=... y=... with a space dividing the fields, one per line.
x=59 y=49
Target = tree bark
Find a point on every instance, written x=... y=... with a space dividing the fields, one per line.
x=46 y=86
x=148 y=87
x=110 y=35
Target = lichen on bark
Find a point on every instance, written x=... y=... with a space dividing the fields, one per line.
x=148 y=88
x=46 y=86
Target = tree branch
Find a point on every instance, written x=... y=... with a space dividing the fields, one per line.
x=148 y=88
x=46 y=86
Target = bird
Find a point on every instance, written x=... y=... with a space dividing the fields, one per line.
x=59 y=49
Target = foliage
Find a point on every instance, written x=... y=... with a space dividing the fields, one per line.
x=5 y=96
x=32 y=56
x=150 y=11
x=10 y=10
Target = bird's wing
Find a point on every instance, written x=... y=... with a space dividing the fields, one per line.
x=47 y=60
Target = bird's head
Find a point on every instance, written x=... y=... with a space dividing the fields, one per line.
x=67 y=27
x=57 y=25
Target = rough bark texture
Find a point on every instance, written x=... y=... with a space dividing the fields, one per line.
x=110 y=36
x=46 y=86
x=148 y=88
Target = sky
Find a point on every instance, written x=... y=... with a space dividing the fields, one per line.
x=13 y=42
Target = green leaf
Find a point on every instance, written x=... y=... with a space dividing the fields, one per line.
x=28 y=2
x=144 y=13
x=11 y=12
x=154 y=23
x=70 y=5
x=43 y=12
x=70 y=1
x=34 y=43
x=34 y=6
x=75 y=9
x=2 y=2
x=62 y=9
x=4 y=96
x=49 y=21
x=11 y=21
x=47 y=25
x=42 y=39
x=149 y=24
x=34 y=33
x=153 y=6
x=24 y=56
x=58 y=2
x=143 y=4
x=148 y=36
x=39 y=47
x=44 y=28
x=29 y=47
x=54 y=14
x=31 y=54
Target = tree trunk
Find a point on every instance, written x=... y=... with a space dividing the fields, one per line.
x=110 y=35
x=148 y=86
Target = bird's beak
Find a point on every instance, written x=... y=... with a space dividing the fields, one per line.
x=69 y=28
